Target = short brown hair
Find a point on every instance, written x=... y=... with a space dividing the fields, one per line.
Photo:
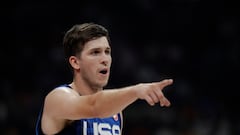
x=79 y=34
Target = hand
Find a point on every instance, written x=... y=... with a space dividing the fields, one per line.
x=152 y=92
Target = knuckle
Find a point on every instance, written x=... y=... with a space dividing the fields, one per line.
x=160 y=96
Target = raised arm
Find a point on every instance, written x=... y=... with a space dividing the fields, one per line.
x=110 y=102
x=65 y=104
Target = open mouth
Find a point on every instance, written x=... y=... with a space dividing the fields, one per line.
x=103 y=71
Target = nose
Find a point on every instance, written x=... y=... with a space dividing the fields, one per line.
x=106 y=59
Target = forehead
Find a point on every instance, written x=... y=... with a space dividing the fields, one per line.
x=101 y=42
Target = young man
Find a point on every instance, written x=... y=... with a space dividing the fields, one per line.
x=83 y=107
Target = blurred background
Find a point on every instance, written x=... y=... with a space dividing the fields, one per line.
x=194 y=42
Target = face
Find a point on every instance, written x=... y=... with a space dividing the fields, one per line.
x=95 y=62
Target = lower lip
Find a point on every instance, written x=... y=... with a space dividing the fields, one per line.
x=104 y=74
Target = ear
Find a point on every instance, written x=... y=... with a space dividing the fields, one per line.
x=74 y=61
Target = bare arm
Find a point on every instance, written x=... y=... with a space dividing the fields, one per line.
x=118 y=99
x=66 y=104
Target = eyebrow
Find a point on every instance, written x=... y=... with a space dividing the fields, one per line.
x=97 y=48
x=108 y=48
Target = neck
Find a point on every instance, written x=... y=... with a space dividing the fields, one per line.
x=83 y=88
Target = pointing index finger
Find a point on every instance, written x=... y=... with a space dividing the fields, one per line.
x=165 y=83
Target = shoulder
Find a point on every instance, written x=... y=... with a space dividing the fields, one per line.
x=61 y=91
x=60 y=96
x=59 y=100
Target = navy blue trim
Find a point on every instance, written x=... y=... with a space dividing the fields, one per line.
x=38 y=126
x=120 y=120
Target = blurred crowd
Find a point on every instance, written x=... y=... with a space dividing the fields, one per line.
x=194 y=42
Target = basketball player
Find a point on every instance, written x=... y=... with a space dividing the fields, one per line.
x=83 y=107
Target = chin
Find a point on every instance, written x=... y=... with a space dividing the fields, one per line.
x=100 y=84
x=103 y=84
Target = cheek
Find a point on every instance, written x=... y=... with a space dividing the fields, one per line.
x=110 y=59
x=91 y=66
x=110 y=62
x=88 y=70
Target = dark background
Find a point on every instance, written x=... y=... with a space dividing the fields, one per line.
x=194 y=42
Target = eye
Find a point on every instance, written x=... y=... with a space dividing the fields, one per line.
x=95 y=52
x=107 y=51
